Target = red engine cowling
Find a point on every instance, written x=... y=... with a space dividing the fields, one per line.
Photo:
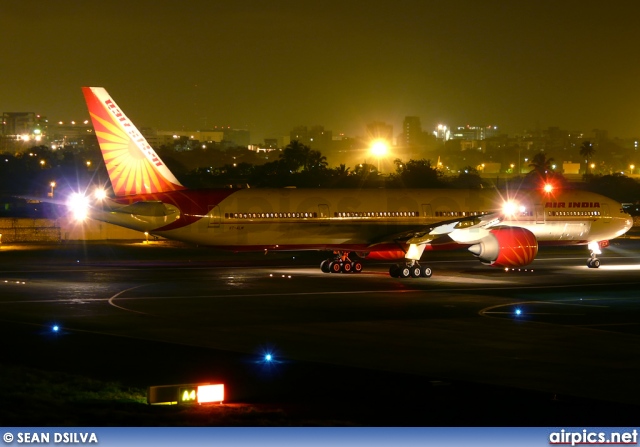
x=507 y=247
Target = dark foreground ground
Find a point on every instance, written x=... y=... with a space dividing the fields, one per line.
x=84 y=385
x=88 y=379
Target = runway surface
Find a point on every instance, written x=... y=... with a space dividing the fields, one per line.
x=554 y=332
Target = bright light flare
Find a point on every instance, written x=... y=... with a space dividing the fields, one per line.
x=594 y=246
x=100 y=194
x=518 y=312
x=78 y=204
x=379 y=148
x=510 y=208
x=548 y=187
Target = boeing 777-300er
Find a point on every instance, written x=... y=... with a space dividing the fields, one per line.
x=393 y=224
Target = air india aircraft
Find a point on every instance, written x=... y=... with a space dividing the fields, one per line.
x=500 y=229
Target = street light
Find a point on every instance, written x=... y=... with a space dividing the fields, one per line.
x=53 y=185
x=631 y=168
x=379 y=149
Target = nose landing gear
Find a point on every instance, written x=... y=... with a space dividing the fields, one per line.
x=593 y=262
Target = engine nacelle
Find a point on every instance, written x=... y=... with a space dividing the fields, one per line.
x=507 y=247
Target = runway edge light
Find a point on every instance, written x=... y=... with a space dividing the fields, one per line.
x=185 y=394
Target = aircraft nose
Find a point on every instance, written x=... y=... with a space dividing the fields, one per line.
x=628 y=223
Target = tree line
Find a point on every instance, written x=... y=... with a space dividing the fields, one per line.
x=297 y=165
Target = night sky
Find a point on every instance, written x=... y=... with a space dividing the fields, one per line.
x=271 y=65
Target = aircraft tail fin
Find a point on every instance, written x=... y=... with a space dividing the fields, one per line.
x=132 y=164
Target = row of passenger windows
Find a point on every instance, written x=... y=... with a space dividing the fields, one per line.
x=315 y=215
x=392 y=214
x=270 y=215
x=378 y=214
x=460 y=213
x=575 y=213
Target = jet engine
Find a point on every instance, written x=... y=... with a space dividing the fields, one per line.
x=506 y=247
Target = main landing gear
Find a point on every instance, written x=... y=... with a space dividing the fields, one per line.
x=410 y=269
x=340 y=264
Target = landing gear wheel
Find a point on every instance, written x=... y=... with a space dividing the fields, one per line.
x=346 y=267
x=324 y=266
x=394 y=271
x=404 y=272
x=335 y=267
x=593 y=263
x=356 y=266
x=416 y=271
x=426 y=272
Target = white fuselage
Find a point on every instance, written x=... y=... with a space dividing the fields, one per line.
x=301 y=219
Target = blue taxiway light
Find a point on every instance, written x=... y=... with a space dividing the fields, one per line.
x=55 y=328
x=268 y=358
x=518 y=312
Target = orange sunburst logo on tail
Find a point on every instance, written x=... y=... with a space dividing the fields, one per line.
x=132 y=164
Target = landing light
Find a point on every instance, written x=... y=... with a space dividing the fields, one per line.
x=509 y=208
x=548 y=188
x=79 y=205
x=594 y=246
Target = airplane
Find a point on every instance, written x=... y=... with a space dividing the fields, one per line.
x=500 y=229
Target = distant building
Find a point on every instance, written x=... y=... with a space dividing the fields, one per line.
x=225 y=137
x=271 y=143
x=475 y=132
x=15 y=124
x=77 y=134
x=570 y=168
x=379 y=130
x=412 y=134
x=22 y=128
x=236 y=137
x=316 y=137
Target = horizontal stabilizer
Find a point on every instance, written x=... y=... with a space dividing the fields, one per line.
x=153 y=209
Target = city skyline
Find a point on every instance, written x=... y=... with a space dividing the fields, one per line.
x=270 y=66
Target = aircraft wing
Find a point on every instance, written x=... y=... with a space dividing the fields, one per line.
x=462 y=230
